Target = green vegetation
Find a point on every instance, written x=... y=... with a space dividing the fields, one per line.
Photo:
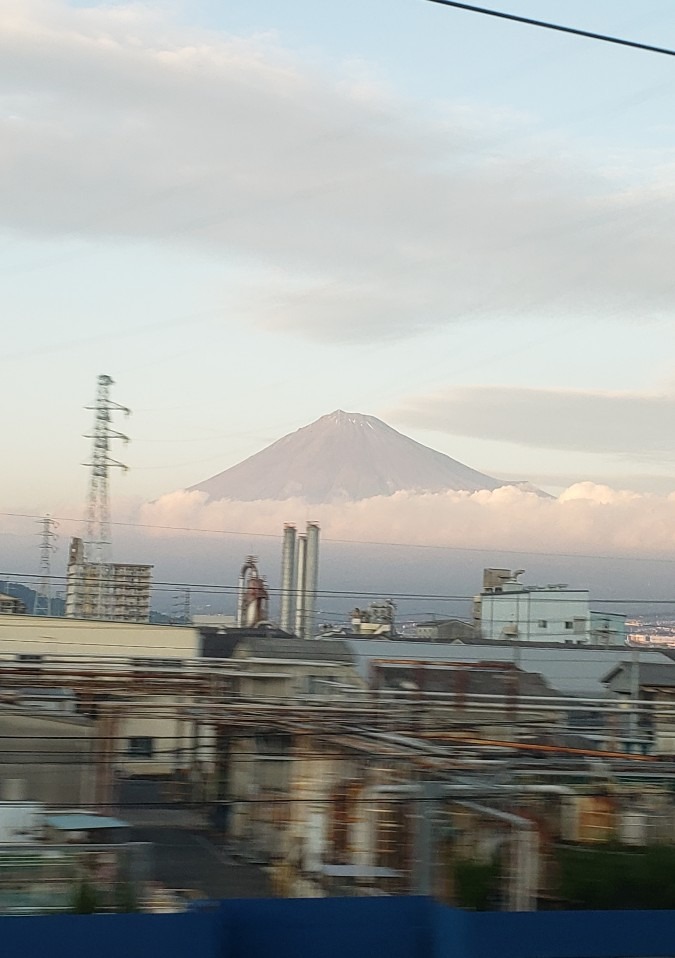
x=85 y=899
x=614 y=876
x=477 y=884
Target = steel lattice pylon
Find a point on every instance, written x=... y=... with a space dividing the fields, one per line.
x=43 y=596
x=97 y=550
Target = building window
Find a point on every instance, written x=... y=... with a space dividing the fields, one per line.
x=569 y=625
x=140 y=746
x=276 y=744
x=542 y=623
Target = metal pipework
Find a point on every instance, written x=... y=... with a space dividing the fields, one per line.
x=311 y=581
x=248 y=566
x=287 y=578
x=300 y=579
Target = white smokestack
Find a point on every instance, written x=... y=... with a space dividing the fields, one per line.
x=287 y=578
x=311 y=583
x=300 y=579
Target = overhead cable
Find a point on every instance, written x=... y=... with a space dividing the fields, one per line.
x=559 y=28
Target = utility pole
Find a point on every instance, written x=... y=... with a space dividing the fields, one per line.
x=97 y=548
x=43 y=596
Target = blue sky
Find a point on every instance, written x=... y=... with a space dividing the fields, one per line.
x=252 y=214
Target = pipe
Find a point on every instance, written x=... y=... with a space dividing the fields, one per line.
x=287 y=577
x=311 y=580
x=300 y=579
x=523 y=866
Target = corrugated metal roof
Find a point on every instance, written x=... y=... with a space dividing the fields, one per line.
x=312 y=650
x=479 y=678
x=574 y=670
x=658 y=675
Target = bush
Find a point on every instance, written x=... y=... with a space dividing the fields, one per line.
x=613 y=876
x=85 y=899
x=476 y=884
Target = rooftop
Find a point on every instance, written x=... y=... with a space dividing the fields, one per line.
x=82 y=821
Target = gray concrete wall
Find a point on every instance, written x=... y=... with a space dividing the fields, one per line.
x=53 y=757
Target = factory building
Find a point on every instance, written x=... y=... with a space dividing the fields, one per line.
x=509 y=610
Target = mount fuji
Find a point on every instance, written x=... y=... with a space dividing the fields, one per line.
x=341 y=457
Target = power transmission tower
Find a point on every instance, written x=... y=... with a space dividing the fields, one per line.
x=97 y=548
x=43 y=596
x=182 y=612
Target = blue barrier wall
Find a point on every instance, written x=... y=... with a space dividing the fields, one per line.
x=331 y=928
x=342 y=928
x=555 y=934
x=112 y=936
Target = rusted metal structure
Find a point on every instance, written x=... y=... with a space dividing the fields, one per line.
x=252 y=596
x=327 y=783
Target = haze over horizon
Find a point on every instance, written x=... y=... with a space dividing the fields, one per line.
x=250 y=216
x=431 y=539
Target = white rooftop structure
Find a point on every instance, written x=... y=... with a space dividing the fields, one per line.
x=509 y=610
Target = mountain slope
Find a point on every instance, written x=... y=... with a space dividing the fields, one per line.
x=343 y=456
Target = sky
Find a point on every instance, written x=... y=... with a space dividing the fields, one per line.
x=252 y=214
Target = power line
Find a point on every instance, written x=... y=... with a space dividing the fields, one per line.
x=226 y=590
x=546 y=25
x=480 y=550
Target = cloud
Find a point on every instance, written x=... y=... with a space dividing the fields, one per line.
x=587 y=518
x=363 y=211
x=635 y=424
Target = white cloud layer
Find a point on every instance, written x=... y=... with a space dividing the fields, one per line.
x=634 y=424
x=366 y=215
x=587 y=518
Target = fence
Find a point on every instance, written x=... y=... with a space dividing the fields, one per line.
x=343 y=928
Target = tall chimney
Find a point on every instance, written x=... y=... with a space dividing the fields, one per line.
x=311 y=582
x=287 y=577
x=300 y=579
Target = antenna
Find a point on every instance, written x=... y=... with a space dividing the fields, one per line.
x=97 y=548
x=43 y=596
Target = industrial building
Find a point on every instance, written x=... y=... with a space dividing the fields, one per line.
x=444 y=630
x=348 y=762
x=507 y=609
x=322 y=759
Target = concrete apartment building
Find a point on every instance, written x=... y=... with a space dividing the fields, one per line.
x=509 y=610
x=10 y=605
x=126 y=588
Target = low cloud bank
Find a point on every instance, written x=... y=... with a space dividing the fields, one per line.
x=587 y=518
